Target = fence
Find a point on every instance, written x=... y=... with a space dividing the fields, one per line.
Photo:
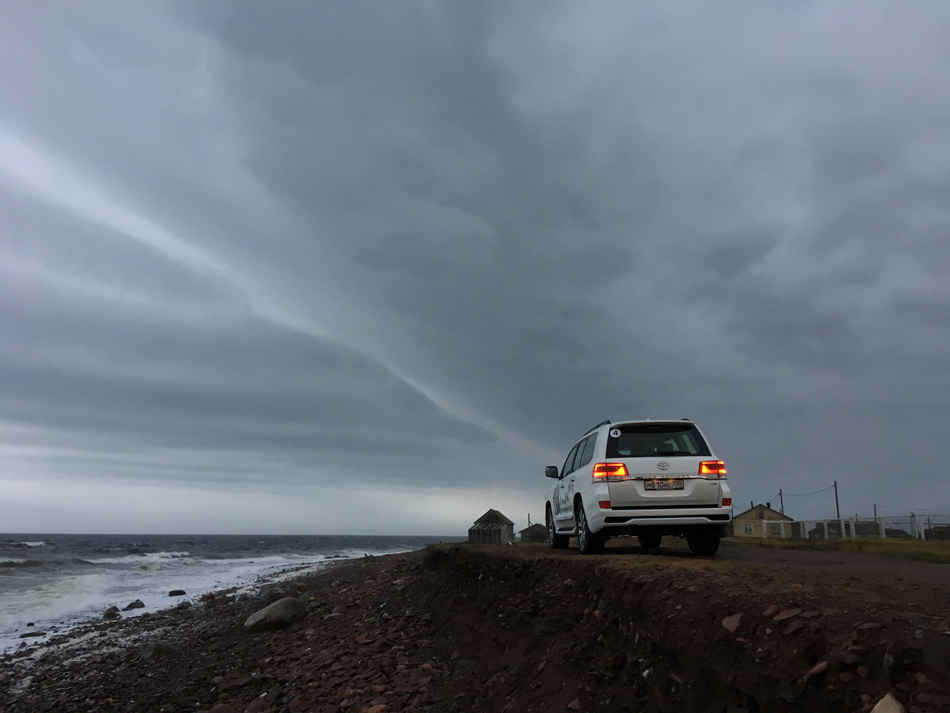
x=932 y=527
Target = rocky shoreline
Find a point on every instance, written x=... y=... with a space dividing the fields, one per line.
x=458 y=628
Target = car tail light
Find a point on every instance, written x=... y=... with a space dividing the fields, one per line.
x=609 y=471
x=715 y=468
x=726 y=502
x=604 y=504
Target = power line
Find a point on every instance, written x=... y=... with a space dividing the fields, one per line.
x=801 y=495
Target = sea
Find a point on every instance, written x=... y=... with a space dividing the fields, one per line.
x=52 y=583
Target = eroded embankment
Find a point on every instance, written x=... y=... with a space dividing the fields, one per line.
x=536 y=634
x=521 y=629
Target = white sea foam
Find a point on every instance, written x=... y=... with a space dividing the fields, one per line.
x=143 y=558
x=82 y=588
x=6 y=560
x=32 y=544
x=67 y=601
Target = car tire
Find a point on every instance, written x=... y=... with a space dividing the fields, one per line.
x=556 y=541
x=588 y=542
x=703 y=545
x=650 y=542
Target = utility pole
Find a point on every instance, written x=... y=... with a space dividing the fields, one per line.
x=781 y=501
x=837 y=509
x=875 y=510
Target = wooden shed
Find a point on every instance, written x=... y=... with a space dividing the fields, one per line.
x=492 y=528
x=534 y=533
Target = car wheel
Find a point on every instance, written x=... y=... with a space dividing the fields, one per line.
x=556 y=541
x=650 y=542
x=703 y=545
x=587 y=542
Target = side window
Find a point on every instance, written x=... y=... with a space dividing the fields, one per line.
x=569 y=462
x=579 y=458
x=588 y=451
x=748 y=528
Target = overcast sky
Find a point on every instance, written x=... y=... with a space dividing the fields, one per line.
x=364 y=267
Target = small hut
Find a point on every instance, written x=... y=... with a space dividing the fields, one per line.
x=492 y=528
x=534 y=533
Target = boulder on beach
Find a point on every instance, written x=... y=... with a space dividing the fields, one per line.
x=156 y=648
x=137 y=604
x=177 y=593
x=111 y=613
x=281 y=613
x=30 y=634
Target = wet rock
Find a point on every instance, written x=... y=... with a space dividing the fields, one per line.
x=154 y=649
x=183 y=605
x=730 y=623
x=378 y=603
x=771 y=611
x=278 y=615
x=787 y=614
x=177 y=593
x=574 y=705
x=222 y=708
x=137 y=604
x=888 y=704
x=30 y=634
x=111 y=613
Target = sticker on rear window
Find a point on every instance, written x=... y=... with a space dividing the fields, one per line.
x=615 y=433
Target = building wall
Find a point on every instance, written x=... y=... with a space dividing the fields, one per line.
x=751 y=526
x=495 y=535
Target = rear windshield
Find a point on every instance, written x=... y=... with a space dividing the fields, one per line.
x=646 y=440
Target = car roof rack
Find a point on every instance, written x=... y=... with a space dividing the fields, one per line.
x=602 y=423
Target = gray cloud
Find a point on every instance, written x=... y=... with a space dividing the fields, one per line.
x=245 y=246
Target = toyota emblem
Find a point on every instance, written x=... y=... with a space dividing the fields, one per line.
x=663 y=465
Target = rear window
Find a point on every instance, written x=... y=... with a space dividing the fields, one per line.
x=652 y=440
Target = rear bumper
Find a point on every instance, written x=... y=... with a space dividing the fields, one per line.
x=666 y=522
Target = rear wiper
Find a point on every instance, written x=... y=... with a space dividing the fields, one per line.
x=674 y=453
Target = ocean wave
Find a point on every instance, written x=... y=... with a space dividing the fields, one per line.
x=5 y=562
x=30 y=544
x=143 y=558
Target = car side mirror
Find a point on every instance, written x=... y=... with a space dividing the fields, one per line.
x=552 y=472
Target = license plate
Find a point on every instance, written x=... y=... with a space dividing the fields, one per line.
x=663 y=484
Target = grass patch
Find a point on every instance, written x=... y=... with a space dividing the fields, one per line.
x=937 y=552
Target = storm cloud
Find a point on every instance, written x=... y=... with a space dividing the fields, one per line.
x=369 y=267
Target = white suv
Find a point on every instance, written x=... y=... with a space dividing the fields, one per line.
x=643 y=478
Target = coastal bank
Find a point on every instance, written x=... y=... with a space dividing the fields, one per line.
x=520 y=628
